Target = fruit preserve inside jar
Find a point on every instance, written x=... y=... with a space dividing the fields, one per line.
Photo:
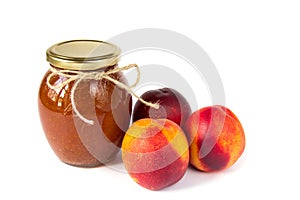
x=84 y=116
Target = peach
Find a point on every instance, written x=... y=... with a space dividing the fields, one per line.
x=155 y=153
x=216 y=138
x=172 y=106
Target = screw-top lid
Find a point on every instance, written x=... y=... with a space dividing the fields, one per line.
x=83 y=54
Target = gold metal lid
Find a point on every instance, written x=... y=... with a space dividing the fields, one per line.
x=83 y=54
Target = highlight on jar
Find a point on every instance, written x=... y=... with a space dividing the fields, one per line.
x=86 y=111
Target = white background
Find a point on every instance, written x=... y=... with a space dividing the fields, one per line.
x=255 y=46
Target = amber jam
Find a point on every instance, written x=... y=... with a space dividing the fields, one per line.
x=101 y=101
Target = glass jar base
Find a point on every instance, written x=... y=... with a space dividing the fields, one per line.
x=88 y=165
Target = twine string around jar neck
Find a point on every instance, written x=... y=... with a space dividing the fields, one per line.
x=78 y=76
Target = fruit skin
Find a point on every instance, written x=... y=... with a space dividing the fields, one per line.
x=216 y=138
x=155 y=153
x=172 y=106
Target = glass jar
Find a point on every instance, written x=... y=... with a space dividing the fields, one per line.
x=83 y=113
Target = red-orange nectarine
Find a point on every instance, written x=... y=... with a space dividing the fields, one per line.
x=216 y=138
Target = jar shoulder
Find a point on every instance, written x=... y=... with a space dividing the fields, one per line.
x=59 y=99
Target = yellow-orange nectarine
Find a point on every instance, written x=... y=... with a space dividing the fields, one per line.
x=155 y=153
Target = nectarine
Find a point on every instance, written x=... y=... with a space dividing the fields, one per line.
x=172 y=106
x=155 y=153
x=216 y=138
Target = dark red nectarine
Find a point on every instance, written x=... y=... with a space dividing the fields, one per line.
x=172 y=106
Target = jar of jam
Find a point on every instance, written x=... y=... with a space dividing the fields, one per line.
x=84 y=108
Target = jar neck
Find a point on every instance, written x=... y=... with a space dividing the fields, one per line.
x=100 y=69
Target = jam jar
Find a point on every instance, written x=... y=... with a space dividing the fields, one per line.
x=83 y=110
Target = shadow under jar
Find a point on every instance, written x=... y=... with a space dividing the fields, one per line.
x=84 y=115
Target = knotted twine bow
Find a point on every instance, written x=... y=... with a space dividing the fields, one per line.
x=78 y=76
